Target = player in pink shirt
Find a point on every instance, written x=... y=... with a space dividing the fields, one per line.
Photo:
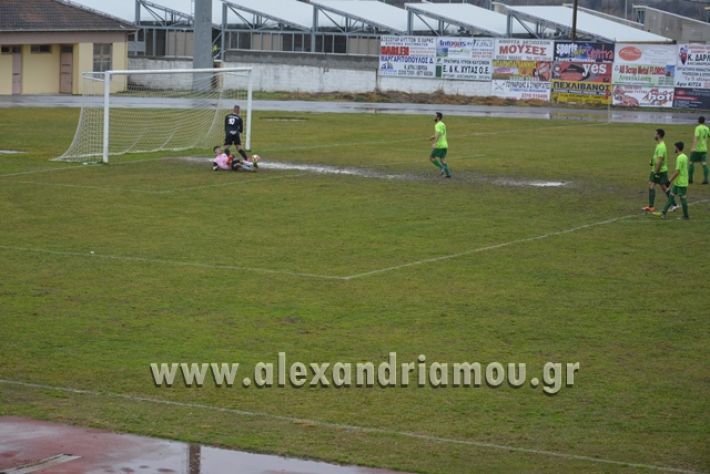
x=224 y=160
x=221 y=160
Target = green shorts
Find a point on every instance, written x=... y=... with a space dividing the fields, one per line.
x=680 y=191
x=662 y=178
x=699 y=157
x=438 y=152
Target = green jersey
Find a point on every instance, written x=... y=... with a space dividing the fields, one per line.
x=681 y=165
x=660 y=154
x=702 y=132
x=440 y=128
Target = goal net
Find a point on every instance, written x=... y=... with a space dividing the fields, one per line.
x=161 y=110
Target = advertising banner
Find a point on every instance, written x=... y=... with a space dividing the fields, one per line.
x=642 y=96
x=522 y=70
x=693 y=66
x=522 y=90
x=574 y=92
x=582 y=71
x=584 y=51
x=644 y=64
x=464 y=58
x=692 y=98
x=524 y=49
x=408 y=56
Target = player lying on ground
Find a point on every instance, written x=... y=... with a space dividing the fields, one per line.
x=680 y=183
x=224 y=160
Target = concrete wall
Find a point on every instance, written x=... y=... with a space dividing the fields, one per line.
x=683 y=30
x=293 y=72
x=427 y=86
x=299 y=72
x=290 y=72
x=40 y=71
x=83 y=61
x=5 y=74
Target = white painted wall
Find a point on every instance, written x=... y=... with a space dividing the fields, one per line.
x=291 y=78
x=427 y=86
x=270 y=77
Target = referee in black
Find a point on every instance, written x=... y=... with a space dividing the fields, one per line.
x=233 y=128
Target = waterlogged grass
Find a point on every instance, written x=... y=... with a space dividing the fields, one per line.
x=194 y=266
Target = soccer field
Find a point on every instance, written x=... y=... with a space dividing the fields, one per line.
x=155 y=258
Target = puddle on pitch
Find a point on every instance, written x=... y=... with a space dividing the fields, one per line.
x=533 y=183
x=28 y=445
x=377 y=174
x=328 y=169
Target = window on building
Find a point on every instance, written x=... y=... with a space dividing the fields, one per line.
x=4 y=50
x=102 y=57
x=40 y=48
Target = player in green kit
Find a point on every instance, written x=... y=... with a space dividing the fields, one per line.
x=659 y=171
x=440 y=146
x=680 y=183
x=699 y=150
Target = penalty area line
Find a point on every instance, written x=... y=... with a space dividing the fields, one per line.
x=350 y=428
x=79 y=167
x=180 y=263
x=498 y=246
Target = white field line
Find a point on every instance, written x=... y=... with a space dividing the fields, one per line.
x=355 y=276
x=487 y=248
x=79 y=167
x=42 y=464
x=159 y=192
x=129 y=258
x=499 y=245
x=79 y=186
x=351 y=428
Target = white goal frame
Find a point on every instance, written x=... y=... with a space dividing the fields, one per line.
x=108 y=75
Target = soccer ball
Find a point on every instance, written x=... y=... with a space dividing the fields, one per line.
x=255 y=158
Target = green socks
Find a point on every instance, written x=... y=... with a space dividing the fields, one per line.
x=437 y=163
x=445 y=167
x=651 y=197
x=684 y=204
x=691 y=170
x=669 y=203
x=671 y=198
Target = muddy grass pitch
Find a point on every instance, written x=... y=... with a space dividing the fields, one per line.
x=347 y=247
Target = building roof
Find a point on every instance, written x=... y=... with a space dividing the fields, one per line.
x=467 y=16
x=371 y=12
x=55 y=15
x=587 y=24
x=287 y=12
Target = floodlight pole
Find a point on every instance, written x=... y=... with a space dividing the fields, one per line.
x=574 y=20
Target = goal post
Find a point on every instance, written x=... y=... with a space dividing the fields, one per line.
x=143 y=111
